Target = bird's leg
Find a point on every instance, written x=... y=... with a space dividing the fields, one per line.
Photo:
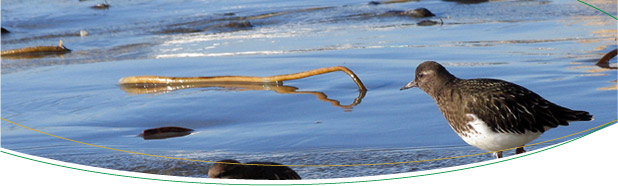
x=520 y=150
x=498 y=154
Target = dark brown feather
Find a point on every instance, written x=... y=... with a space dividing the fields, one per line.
x=508 y=107
x=505 y=107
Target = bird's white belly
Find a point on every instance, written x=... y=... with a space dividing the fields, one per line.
x=486 y=139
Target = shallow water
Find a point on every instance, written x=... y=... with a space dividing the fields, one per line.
x=548 y=46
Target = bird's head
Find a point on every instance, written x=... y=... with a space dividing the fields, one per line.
x=429 y=77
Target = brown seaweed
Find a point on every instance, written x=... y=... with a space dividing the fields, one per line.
x=604 y=61
x=37 y=51
x=246 y=79
x=162 y=84
x=429 y=22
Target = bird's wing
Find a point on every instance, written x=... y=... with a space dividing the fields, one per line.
x=511 y=108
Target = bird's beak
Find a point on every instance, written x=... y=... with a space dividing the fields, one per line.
x=411 y=84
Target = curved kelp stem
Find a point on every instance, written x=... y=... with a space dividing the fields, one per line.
x=163 y=84
x=239 y=79
x=37 y=51
x=604 y=61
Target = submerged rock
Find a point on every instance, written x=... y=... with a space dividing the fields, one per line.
x=230 y=27
x=101 y=6
x=419 y=12
x=239 y=25
x=427 y=23
x=165 y=132
x=216 y=28
x=232 y=169
x=180 y=30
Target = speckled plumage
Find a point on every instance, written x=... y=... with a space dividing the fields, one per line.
x=505 y=108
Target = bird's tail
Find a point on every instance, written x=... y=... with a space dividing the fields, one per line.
x=576 y=115
x=583 y=116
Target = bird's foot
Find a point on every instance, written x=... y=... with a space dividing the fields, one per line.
x=498 y=154
x=520 y=150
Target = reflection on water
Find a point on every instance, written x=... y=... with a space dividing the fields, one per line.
x=232 y=86
x=601 y=66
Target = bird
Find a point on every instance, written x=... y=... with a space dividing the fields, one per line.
x=491 y=114
x=232 y=169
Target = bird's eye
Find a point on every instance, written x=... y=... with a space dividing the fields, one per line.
x=420 y=75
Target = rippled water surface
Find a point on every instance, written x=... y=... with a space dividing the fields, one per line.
x=548 y=46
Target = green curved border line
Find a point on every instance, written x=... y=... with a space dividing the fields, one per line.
x=598 y=9
x=386 y=179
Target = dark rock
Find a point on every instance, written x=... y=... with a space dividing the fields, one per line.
x=419 y=12
x=426 y=23
x=232 y=169
x=165 y=132
x=101 y=6
x=243 y=24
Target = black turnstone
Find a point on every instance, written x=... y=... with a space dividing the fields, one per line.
x=232 y=169
x=491 y=114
